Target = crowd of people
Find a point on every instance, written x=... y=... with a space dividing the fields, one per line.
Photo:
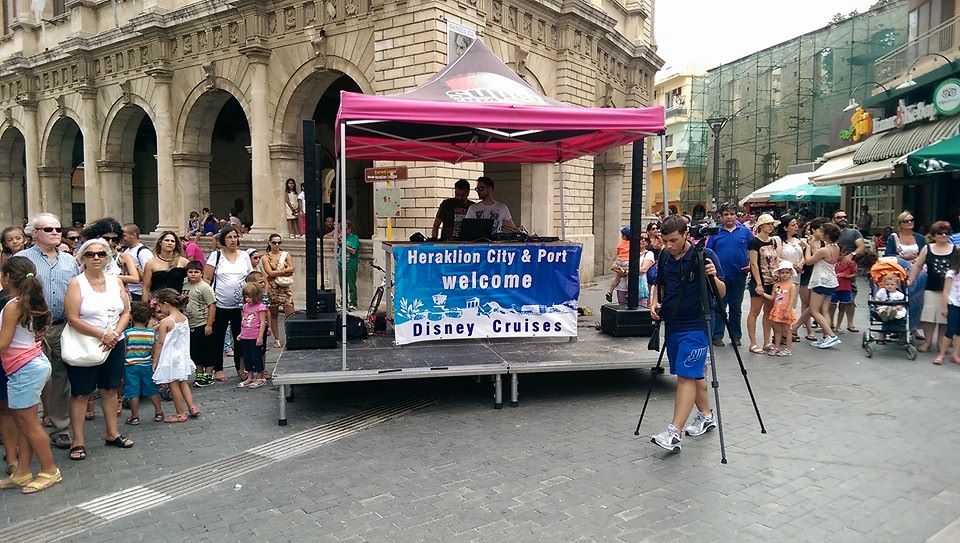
x=92 y=313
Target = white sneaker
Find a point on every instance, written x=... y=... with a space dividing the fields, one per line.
x=817 y=342
x=829 y=342
x=669 y=439
x=701 y=423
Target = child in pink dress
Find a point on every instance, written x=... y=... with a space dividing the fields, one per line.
x=253 y=325
x=783 y=314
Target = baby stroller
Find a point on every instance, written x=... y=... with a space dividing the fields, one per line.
x=889 y=320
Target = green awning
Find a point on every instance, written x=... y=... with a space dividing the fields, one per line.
x=808 y=193
x=943 y=156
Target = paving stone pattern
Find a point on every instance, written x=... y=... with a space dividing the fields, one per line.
x=856 y=450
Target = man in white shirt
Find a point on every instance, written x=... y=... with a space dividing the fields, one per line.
x=140 y=255
x=488 y=208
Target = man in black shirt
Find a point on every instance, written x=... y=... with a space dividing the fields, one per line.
x=451 y=212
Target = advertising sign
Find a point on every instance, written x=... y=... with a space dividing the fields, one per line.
x=946 y=98
x=447 y=292
x=393 y=173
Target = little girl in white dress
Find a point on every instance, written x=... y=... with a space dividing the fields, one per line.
x=171 y=355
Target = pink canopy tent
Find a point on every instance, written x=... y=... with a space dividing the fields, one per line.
x=478 y=110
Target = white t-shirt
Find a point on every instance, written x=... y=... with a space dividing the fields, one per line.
x=622 y=285
x=303 y=201
x=140 y=255
x=497 y=211
x=883 y=295
x=228 y=278
x=953 y=298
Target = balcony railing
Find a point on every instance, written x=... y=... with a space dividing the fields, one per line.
x=940 y=39
x=675 y=111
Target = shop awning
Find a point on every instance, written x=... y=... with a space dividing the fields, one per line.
x=808 y=193
x=896 y=143
x=939 y=157
x=796 y=180
x=877 y=171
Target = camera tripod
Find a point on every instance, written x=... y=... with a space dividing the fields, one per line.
x=699 y=269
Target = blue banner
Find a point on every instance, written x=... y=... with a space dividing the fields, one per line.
x=483 y=291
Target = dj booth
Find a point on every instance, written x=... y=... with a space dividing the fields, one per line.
x=447 y=291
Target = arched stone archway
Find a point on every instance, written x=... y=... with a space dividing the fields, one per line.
x=61 y=173
x=128 y=170
x=318 y=98
x=13 y=181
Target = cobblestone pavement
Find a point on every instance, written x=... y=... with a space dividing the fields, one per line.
x=856 y=450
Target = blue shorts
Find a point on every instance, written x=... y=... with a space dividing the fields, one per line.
x=953 y=322
x=138 y=381
x=823 y=291
x=106 y=376
x=687 y=353
x=841 y=297
x=25 y=384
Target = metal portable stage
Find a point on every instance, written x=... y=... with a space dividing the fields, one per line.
x=376 y=358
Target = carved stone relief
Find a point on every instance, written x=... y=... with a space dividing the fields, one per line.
x=218 y=37
x=61 y=106
x=290 y=18
x=272 y=23
x=119 y=61
x=497 y=10
x=187 y=45
x=202 y=40
x=209 y=74
x=331 y=9
x=541 y=30
x=351 y=8
x=319 y=43
x=126 y=92
x=527 y=29
x=512 y=18
x=577 y=41
x=144 y=56
x=588 y=48
x=554 y=36
x=233 y=31
x=309 y=13
x=108 y=65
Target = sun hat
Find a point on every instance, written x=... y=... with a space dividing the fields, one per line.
x=766 y=218
x=784 y=265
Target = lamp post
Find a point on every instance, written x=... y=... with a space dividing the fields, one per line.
x=910 y=81
x=853 y=101
x=716 y=125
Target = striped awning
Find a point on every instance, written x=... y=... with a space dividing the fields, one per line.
x=897 y=143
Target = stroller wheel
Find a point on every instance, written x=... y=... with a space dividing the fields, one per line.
x=868 y=350
x=866 y=339
x=911 y=352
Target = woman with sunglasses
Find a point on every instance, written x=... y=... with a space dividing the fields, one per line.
x=97 y=305
x=226 y=270
x=13 y=240
x=168 y=267
x=71 y=240
x=906 y=243
x=937 y=259
x=278 y=266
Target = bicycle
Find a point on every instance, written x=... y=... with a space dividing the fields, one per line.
x=371 y=318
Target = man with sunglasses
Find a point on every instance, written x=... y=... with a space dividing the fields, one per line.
x=70 y=240
x=851 y=242
x=54 y=270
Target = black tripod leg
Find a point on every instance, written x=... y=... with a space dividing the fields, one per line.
x=716 y=400
x=743 y=369
x=653 y=377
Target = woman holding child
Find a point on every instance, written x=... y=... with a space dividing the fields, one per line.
x=97 y=305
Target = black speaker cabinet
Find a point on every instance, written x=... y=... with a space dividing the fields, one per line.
x=326 y=301
x=618 y=321
x=318 y=333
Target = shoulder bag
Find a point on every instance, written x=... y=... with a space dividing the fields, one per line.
x=283 y=280
x=81 y=350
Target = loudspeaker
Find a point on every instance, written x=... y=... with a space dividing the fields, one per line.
x=306 y=333
x=326 y=301
x=618 y=321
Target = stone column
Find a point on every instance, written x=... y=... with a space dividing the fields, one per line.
x=31 y=153
x=116 y=183
x=537 y=181
x=193 y=173
x=173 y=203
x=267 y=213
x=7 y=191
x=50 y=193
x=90 y=127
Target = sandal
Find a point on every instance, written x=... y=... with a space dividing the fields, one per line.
x=938 y=360
x=133 y=421
x=158 y=417
x=120 y=441
x=173 y=419
x=43 y=481
x=194 y=412
x=955 y=359
x=810 y=337
x=78 y=453
x=15 y=482
x=257 y=383
x=90 y=415
x=756 y=349
x=277 y=344
x=853 y=329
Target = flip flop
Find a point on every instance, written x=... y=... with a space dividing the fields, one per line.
x=133 y=421
x=853 y=329
x=810 y=337
x=78 y=453
x=158 y=417
x=173 y=419
x=120 y=441
x=43 y=481
x=938 y=360
x=90 y=415
x=194 y=412
x=756 y=349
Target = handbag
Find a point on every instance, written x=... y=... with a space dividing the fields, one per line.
x=81 y=350
x=283 y=280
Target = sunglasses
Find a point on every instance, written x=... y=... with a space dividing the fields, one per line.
x=276 y=242
x=73 y=238
x=49 y=229
x=906 y=220
x=95 y=254
x=111 y=238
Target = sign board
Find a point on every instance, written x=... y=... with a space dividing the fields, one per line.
x=459 y=37
x=392 y=173
x=386 y=201
x=906 y=115
x=445 y=292
x=946 y=98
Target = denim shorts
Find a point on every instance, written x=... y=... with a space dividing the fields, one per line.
x=138 y=381
x=823 y=291
x=25 y=384
x=841 y=297
x=687 y=353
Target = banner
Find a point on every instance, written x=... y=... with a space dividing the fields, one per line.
x=485 y=291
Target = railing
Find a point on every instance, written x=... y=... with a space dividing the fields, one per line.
x=675 y=111
x=939 y=39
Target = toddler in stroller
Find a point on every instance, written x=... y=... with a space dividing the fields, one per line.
x=888 y=305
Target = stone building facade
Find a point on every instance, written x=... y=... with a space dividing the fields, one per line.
x=147 y=110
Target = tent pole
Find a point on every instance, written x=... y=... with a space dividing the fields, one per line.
x=663 y=174
x=342 y=205
x=563 y=220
